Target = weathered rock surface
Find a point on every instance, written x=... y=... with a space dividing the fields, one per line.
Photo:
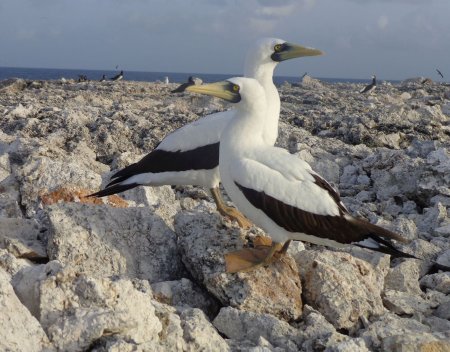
x=20 y=330
x=387 y=154
x=341 y=287
x=185 y=293
x=244 y=326
x=21 y=237
x=203 y=240
x=416 y=343
x=102 y=241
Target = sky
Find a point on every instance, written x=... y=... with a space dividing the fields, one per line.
x=394 y=39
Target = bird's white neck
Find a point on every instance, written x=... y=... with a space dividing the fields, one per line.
x=263 y=73
x=245 y=130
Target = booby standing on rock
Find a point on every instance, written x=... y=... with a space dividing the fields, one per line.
x=118 y=77
x=191 y=81
x=278 y=191
x=103 y=79
x=370 y=87
x=190 y=155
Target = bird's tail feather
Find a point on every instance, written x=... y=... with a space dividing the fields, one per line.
x=113 y=190
x=379 y=241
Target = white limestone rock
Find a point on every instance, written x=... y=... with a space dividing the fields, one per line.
x=199 y=333
x=439 y=282
x=422 y=342
x=405 y=303
x=244 y=326
x=11 y=264
x=184 y=293
x=404 y=277
x=390 y=325
x=77 y=310
x=341 y=287
x=20 y=331
x=21 y=237
x=102 y=241
x=203 y=240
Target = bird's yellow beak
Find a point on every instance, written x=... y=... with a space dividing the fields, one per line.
x=291 y=51
x=224 y=90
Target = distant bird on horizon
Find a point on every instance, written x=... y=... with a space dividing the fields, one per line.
x=440 y=73
x=371 y=87
x=191 y=82
x=118 y=77
x=103 y=79
x=82 y=78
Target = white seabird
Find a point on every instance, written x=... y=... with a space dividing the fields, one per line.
x=117 y=77
x=278 y=191
x=370 y=87
x=190 y=155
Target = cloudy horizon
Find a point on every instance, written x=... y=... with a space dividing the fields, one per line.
x=394 y=39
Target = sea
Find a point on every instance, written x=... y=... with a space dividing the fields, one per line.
x=174 y=77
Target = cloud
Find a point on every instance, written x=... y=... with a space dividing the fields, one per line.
x=383 y=22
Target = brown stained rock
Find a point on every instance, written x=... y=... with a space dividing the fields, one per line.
x=69 y=195
x=203 y=241
x=340 y=286
x=42 y=175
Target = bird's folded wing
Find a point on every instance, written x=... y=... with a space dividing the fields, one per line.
x=287 y=179
x=201 y=132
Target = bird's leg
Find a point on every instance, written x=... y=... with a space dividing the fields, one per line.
x=250 y=258
x=285 y=247
x=230 y=212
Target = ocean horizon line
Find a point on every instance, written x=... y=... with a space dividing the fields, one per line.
x=7 y=72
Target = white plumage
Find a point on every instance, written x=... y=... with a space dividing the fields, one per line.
x=200 y=139
x=278 y=191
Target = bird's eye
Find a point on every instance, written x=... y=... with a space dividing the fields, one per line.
x=277 y=47
x=236 y=88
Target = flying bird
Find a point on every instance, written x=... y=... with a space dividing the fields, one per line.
x=190 y=155
x=370 y=87
x=191 y=81
x=440 y=73
x=117 y=77
x=278 y=191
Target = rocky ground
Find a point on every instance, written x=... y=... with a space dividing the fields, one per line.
x=145 y=271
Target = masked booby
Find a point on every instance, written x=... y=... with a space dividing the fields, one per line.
x=278 y=191
x=370 y=87
x=190 y=155
x=117 y=77
x=103 y=79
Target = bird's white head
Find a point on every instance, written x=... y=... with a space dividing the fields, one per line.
x=266 y=53
x=246 y=92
